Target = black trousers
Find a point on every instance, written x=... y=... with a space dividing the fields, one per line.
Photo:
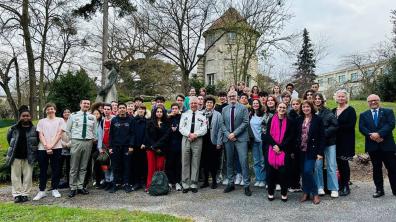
x=389 y=159
x=120 y=164
x=173 y=166
x=93 y=169
x=277 y=176
x=139 y=167
x=44 y=160
x=65 y=171
x=210 y=159
x=295 y=172
x=345 y=173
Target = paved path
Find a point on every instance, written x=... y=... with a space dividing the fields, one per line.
x=214 y=205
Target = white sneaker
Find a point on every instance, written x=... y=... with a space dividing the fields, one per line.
x=40 y=195
x=238 y=179
x=261 y=184
x=178 y=187
x=321 y=192
x=278 y=187
x=334 y=194
x=242 y=183
x=257 y=184
x=225 y=181
x=170 y=186
x=56 y=194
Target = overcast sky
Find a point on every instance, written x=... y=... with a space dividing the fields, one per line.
x=344 y=26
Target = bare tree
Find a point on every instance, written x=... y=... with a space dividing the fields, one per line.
x=177 y=27
x=4 y=83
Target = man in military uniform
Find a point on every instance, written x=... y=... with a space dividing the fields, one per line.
x=82 y=127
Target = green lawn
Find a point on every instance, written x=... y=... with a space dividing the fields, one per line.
x=31 y=213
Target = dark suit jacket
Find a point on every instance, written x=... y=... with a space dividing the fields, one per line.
x=386 y=123
x=316 y=136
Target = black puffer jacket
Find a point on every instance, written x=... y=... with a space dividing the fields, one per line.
x=32 y=141
x=330 y=124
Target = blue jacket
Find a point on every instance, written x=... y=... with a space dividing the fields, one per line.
x=386 y=124
x=121 y=132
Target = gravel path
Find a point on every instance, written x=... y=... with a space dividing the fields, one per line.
x=214 y=205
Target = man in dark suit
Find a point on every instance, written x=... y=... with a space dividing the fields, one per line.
x=235 y=120
x=376 y=124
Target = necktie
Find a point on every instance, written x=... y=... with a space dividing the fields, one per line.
x=375 y=117
x=232 y=118
x=192 y=123
x=84 y=129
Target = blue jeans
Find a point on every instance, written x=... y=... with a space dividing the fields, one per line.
x=331 y=166
x=237 y=149
x=308 y=180
x=258 y=161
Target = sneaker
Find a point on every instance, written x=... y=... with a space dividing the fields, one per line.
x=278 y=187
x=40 y=195
x=321 y=192
x=261 y=184
x=219 y=178
x=225 y=182
x=18 y=199
x=238 y=179
x=128 y=188
x=56 y=194
x=242 y=183
x=170 y=186
x=178 y=187
x=334 y=194
x=256 y=184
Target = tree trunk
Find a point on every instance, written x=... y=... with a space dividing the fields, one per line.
x=17 y=83
x=30 y=57
x=105 y=40
x=185 y=81
x=41 y=98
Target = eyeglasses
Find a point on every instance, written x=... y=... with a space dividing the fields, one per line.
x=373 y=100
x=231 y=96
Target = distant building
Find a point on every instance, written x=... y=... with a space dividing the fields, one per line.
x=222 y=61
x=350 y=78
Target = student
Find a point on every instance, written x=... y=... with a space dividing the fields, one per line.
x=104 y=143
x=121 y=139
x=65 y=157
x=50 y=131
x=294 y=182
x=276 y=91
x=23 y=140
x=157 y=142
x=290 y=88
x=173 y=157
x=192 y=92
x=139 y=159
x=114 y=108
x=180 y=101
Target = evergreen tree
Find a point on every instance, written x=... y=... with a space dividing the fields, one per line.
x=305 y=73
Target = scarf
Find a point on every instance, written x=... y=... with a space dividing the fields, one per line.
x=277 y=132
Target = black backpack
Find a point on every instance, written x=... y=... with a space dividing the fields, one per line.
x=159 y=184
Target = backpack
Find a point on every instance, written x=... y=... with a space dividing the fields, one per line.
x=159 y=184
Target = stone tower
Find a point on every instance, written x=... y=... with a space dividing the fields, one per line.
x=227 y=38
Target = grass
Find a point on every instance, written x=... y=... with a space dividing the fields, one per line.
x=361 y=106
x=32 y=213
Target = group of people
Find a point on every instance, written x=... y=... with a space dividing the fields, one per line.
x=294 y=143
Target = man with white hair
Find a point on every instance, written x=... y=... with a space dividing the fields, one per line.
x=193 y=127
x=377 y=124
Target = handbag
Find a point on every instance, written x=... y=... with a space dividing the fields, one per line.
x=276 y=160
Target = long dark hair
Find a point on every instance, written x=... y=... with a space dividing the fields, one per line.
x=154 y=116
x=260 y=111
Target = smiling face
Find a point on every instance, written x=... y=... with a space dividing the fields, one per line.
x=306 y=109
x=159 y=113
x=192 y=92
x=107 y=110
x=318 y=101
x=271 y=102
x=122 y=110
x=141 y=111
x=373 y=101
x=25 y=117
x=209 y=105
x=84 y=105
x=281 y=109
x=66 y=114
x=341 y=98
x=50 y=111
x=232 y=97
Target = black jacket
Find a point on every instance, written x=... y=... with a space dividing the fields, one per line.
x=345 y=140
x=330 y=124
x=121 y=132
x=176 y=136
x=157 y=137
x=386 y=124
x=288 y=139
x=316 y=136
x=32 y=141
x=139 y=128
